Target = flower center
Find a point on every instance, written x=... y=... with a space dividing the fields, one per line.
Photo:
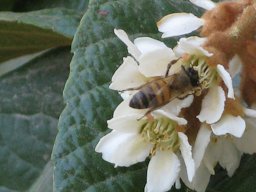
x=161 y=132
x=207 y=75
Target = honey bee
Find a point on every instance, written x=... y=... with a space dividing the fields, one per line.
x=162 y=90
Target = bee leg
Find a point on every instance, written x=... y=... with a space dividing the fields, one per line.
x=132 y=89
x=184 y=95
x=169 y=66
x=148 y=115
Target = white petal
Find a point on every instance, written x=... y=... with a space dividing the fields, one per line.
x=163 y=170
x=178 y=184
x=123 y=109
x=206 y=4
x=176 y=105
x=227 y=80
x=201 y=179
x=247 y=143
x=179 y=24
x=147 y=44
x=212 y=105
x=230 y=158
x=191 y=45
x=155 y=63
x=235 y=66
x=212 y=155
x=132 y=49
x=127 y=76
x=185 y=149
x=250 y=112
x=123 y=149
x=202 y=140
x=179 y=120
x=127 y=94
x=229 y=124
x=128 y=124
x=194 y=40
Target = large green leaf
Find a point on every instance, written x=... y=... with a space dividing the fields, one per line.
x=31 y=101
x=29 y=5
x=23 y=33
x=89 y=102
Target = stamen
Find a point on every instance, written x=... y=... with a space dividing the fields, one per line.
x=161 y=133
x=207 y=75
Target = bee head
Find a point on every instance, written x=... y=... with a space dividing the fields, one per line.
x=193 y=75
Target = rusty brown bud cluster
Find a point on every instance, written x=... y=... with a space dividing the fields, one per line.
x=230 y=29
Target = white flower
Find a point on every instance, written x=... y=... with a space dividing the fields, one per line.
x=233 y=137
x=152 y=55
x=177 y=24
x=209 y=77
x=132 y=140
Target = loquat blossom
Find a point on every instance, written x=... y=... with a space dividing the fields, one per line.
x=132 y=141
x=134 y=137
x=224 y=129
x=227 y=149
x=227 y=129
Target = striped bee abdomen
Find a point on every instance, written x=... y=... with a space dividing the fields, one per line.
x=152 y=94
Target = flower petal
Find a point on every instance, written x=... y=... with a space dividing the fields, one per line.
x=163 y=170
x=191 y=45
x=206 y=4
x=235 y=66
x=229 y=124
x=227 y=80
x=176 y=105
x=179 y=120
x=127 y=76
x=202 y=140
x=178 y=24
x=132 y=49
x=247 y=143
x=185 y=149
x=212 y=105
x=230 y=158
x=250 y=112
x=123 y=149
x=202 y=179
x=155 y=63
x=212 y=154
x=128 y=124
x=123 y=109
x=147 y=44
x=178 y=184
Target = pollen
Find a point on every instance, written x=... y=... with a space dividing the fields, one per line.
x=162 y=133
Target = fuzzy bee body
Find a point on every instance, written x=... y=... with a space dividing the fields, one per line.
x=162 y=90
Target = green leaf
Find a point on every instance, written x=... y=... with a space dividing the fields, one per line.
x=31 y=102
x=29 y=5
x=24 y=33
x=89 y=102
x=242 y=181
x=45 y=182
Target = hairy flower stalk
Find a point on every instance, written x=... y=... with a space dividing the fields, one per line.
x=186 y=136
